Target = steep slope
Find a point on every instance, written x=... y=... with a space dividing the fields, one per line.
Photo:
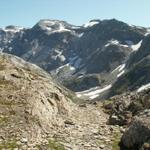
x=30 y=103
x=143 y=52
x=137 y=70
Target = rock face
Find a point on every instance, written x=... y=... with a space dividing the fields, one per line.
x=30 y=103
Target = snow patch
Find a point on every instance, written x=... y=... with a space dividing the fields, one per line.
x=112 y=42
x=148 y=32
x=119 y=68
x=80 y=35
x=90 y=24
x=69 y=69
x=120 y=74
x=49 y=25
x=94 y=96
x=93 y=92
x=13 y=30
x=122 y=67
x=136 y=46
x=75 y=27
x=115 y=42
x=144 y=87
x=62 y=29
x=81 y=76
x=59 y=55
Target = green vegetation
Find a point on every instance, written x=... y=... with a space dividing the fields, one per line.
x=116 y=141
x=52 y=145
x=9 y=145
x=3 y=119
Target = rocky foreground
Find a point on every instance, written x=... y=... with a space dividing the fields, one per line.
x=132 y=110
x=37 y=114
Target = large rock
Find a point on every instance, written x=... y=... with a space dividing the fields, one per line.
x=138 y=134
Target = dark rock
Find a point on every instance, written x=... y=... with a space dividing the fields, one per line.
x=137 y=134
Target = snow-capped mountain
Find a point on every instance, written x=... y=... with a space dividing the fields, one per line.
x=95 y=55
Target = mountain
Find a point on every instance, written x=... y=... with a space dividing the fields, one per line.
x=88 y=57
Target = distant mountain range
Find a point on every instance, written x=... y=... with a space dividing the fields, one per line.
x=97 y=60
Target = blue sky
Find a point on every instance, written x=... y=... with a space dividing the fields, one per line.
x=28 y=12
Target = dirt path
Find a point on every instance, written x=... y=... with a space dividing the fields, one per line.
x=88 y=130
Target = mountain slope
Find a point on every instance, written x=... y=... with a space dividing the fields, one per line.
x=137 y=70
x=30 y=103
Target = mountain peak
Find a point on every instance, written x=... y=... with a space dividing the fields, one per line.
x=12 y=28
x=51 y=26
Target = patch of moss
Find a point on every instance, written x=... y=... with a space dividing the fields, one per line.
x=3 y=119
x=106 y=102
x=52 y=145
x=10 y=103
x=116 y=141
x=9 y=145
x=55 y=145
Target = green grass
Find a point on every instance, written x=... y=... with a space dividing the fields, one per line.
x=9 y=145
x=55 y=145
x=52 y=145
x=116 y=141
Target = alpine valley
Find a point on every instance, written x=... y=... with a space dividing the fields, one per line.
x=67 y=87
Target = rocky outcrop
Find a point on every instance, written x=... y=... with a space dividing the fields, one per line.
x=137 y=137
x=124 y=107
x=132 y=111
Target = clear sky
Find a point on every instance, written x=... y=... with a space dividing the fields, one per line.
x=28 y=12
